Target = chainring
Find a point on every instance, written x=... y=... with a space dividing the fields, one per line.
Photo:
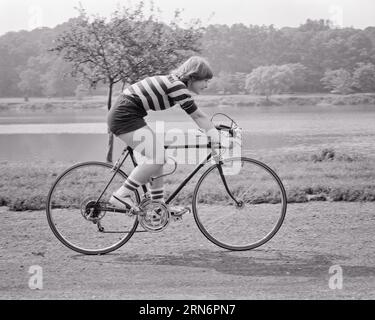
x=155 y=216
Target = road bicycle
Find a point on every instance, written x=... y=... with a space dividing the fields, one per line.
x=238 y=203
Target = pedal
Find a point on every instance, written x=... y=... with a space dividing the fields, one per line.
x=179 y=214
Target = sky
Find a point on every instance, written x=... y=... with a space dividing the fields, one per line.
x=18 y=15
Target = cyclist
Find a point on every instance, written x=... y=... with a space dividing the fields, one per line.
x=157 y=93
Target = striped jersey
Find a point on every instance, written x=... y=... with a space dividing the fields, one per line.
x=160 y=93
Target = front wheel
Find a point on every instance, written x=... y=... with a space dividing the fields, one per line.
x=81 y=222
x=239 y=205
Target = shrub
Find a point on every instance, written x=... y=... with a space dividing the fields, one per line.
x=324 y=155
x=338 y=81
x=364 y=77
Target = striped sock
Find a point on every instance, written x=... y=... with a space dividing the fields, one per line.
x=131 y=184
x=157 y=194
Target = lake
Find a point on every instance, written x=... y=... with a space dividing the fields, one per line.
x=81 y=135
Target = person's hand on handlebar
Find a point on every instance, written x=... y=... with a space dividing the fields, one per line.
x=214 y=138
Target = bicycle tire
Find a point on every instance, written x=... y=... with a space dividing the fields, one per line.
x=58 y=201
x=206 y=211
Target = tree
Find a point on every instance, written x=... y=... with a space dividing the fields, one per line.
x=228 y=83
x=30 y=83
x=8 y=76
x=364 y=77
x=57 y=80
x=298 y=73
x=126 y=48
x=16 y=49
x=230 y=49
x=46 y=75
x=265 y=80
x=338 y=81
x=315 y=25
x=268 y=80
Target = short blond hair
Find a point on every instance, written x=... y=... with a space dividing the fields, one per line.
x=195 y=68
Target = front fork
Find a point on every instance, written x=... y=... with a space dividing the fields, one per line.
x=219 y=165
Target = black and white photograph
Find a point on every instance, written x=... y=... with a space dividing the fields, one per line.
x=182 y=150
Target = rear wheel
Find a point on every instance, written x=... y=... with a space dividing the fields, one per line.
x=247 y=213
x=78 y=220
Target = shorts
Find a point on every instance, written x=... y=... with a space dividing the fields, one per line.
x=125 y=116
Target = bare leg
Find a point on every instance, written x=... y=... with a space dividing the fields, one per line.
x=146 y=143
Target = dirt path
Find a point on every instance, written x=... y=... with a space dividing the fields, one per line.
x=180 y=263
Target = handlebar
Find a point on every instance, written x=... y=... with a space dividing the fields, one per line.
x=232 y=129
x=222 y=127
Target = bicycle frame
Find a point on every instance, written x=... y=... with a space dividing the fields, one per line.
x=192 y=174
x=129 y=151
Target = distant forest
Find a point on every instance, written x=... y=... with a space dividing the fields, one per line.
x=314 y=57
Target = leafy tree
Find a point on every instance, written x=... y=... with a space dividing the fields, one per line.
x=7 y=73
x=265 y=80
x=315 y=25
x=338 y=81
x=126 y=48
x=370 y=34
x=30 y=83
x=230 y=49
x=239 y=80
x=16 y=49
x=57 y=80
x=364 y=77
x=298 y=73
x=46 y=75
x=273 y=79
x=228 y=83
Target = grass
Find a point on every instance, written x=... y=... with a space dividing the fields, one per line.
x=327 y=175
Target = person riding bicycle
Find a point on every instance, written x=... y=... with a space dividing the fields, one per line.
x=157 y=93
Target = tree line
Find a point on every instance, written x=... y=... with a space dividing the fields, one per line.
x=314 y=57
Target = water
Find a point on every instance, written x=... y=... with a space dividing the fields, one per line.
x=81 y=136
